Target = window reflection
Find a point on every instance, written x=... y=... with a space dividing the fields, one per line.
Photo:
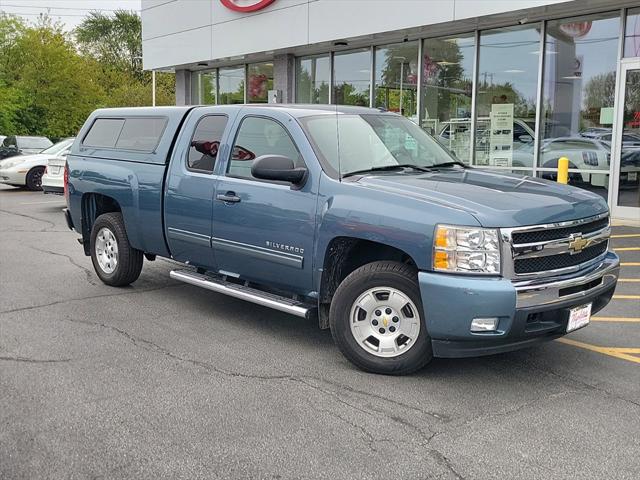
x=579 y=97
x=506 y=96
x=629 y=147
x=231 y=85
x=632 y=34
x=313 y=78
x=352 y=78
x=205 y=91
x=397 y=79
x=446 y=92
x=260 y=81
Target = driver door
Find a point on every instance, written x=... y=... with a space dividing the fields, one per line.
x=263 y=231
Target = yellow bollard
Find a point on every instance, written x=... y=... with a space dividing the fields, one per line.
x=563 y=170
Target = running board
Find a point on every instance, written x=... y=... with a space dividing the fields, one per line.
x=283 y=304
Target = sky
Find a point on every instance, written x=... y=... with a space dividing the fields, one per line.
x=69 y=12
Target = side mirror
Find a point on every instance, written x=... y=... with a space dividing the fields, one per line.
x=278 y=168
x=525 y=138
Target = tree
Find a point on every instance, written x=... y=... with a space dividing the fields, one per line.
x=115 y=40
x=115 y=43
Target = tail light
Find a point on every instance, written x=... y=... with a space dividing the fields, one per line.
x=590 y=158
x=66 y=182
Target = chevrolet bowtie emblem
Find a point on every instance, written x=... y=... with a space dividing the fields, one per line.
x=577 y=244
x=385 y=322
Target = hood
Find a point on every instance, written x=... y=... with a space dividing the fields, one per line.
x=37 y=159
x=494 y=199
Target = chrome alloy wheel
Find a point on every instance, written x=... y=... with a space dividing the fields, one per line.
x=106 y=250
x=384 y=322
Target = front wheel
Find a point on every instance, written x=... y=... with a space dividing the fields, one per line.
x=376 y=319
x=34 y=179
x=115 y=261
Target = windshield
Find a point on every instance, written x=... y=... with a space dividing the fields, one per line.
x=357 y=143
x=58 y=147
x=34 y=142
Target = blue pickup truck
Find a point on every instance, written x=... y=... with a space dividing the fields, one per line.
x=352 y=216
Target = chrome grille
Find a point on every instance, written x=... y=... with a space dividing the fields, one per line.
x=557 y=233
x=555 y=248
x=556 y=262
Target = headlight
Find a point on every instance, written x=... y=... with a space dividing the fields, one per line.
x=466 y=250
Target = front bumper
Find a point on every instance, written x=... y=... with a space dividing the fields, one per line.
x=12 y=177
x=529 y=312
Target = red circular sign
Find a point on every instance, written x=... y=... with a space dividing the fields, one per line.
x=246 y=5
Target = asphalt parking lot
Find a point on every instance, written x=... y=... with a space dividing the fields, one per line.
x=166 y=380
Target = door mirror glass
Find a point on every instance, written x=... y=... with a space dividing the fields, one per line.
x=278 y=168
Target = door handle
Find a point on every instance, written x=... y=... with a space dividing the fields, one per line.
x=229 y=197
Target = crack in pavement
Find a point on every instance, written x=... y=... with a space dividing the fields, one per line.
x=35 y=360
x=88 y=273
x=529 y=366
x=90 y=297
x=52 y=225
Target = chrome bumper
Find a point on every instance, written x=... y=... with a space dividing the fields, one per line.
x=540 y=292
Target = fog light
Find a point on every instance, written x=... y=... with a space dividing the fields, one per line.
x=484 y=324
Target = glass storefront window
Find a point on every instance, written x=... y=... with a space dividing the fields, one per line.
x=396 y=82
x=632 y=33
x=352 y=78
x=447 y=83
x=259 y=82
x=579 y=96
x=205 y=88
x=313 y=79
x=231 y=85
x=506 y=96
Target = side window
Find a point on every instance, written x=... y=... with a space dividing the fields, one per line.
x=141 y=134
x=205 y=143
x=104 y=133
x=260 y=136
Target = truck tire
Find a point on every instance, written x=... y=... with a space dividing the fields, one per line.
x=34 y=179
x=116 y=263
x=377 y=320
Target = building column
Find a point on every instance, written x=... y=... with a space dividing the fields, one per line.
x=183 y=87
x=284 y=77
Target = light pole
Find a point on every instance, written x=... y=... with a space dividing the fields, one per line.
x=153 y=83
x=402 y=60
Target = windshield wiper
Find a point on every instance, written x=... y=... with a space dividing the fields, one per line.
x=387 y=168
x=450 y=164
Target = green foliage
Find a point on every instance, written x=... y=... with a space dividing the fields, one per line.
x=50 y=81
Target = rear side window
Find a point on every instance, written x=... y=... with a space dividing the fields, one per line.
x=205 y=143
x=135 y=133
x=104 y=133
x=141 y=134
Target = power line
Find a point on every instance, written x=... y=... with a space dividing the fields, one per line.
x=59 y=8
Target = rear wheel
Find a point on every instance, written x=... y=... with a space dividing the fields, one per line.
x=376 y=319
x=114 y=260
x=34 y=178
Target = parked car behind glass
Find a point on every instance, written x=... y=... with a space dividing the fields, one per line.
x=27 y=170
x=21 y=145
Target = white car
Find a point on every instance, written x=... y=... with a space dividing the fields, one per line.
x=27 y=170
x=53 y=178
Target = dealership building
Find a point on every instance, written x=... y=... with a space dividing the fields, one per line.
x=509 y=85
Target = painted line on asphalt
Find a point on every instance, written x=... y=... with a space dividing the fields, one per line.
x=630 y=264
x=616 y=319
x=626 y=235
x=629 y=280
x=626 y=297
x=627 y=249
x=61 y=203
x=621 y=353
